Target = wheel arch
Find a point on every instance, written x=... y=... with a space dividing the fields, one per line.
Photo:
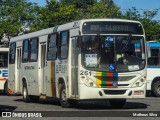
x=61 y=81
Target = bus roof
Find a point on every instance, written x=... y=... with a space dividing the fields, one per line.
x=63 y=27
x=4 y=49
x=153 y=44
x=33 y=34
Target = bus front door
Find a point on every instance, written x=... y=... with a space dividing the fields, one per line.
x=74 y=68
x=43 y=65
x=18 y=87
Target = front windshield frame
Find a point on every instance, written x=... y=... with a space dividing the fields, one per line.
x=114 y=63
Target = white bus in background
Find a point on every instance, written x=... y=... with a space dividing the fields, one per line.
x=86 y=59
x=4 y=69
x=153 y=69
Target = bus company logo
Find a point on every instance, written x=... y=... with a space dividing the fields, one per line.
x=111 y=67
x=21 y=114
x=6 y=114
x=4 y=73
x=114 y=85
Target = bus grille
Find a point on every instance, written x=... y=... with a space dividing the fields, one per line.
x=125 y=78
x=114 y=92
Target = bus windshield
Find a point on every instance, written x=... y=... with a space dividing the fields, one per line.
x=4 y=59
x=113 y=53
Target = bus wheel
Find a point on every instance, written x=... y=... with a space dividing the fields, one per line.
x=25 y=93
x=117 y=103
x=156 y=89
x=34 y=99
x=6 y=90
x=63 y=97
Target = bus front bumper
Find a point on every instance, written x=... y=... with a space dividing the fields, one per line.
x=111 y=93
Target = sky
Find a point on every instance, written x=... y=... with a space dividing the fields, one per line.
x=126 y=4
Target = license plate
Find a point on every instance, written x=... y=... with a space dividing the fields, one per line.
x=139 y=92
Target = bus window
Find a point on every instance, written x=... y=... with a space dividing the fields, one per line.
x=4 y=59
x=25 y=51
x=52 y=47
x=34 y=50
x=64 y=36
x=154 y=59
x=12 y=53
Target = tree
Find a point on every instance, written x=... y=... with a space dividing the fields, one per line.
x=101 y=9
x=132 y=14
x=16 y=17
x=151 y=27
x=71 y=10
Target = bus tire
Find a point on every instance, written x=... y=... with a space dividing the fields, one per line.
x=34 y=99
x=63 y=97
x=25 y=93
x=117 y=103
x=156 y=89
x=6 y=89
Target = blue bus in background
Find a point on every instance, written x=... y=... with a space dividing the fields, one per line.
x=4 y=70
x=153 y=68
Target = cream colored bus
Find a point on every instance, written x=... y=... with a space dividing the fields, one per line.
x=87 y=59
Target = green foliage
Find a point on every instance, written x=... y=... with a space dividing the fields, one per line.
x=151 y=27
x=20 y=16
x=16 y=16
x=71 y=10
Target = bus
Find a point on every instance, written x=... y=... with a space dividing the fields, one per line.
x=153 y=68
x=4 y=69
x=90 y=59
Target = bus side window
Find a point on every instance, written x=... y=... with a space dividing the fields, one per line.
x=33 y=50
x=52 y=47
x=25 y=52
x=12 y=53
x=64 y=40
x=154 y=59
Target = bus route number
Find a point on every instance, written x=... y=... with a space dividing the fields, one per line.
x=82 y=72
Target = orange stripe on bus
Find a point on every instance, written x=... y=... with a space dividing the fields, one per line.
x=3 y=78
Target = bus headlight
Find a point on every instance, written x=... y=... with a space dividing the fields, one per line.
x=89 y=82
x=138 y=83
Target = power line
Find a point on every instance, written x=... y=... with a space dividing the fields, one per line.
x=141 y=9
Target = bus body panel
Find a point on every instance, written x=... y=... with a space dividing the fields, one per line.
x=93 y=93
x=126 y=88
x=152 y=74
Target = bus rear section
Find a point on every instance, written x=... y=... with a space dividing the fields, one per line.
x=153 y=68
x=4 y=69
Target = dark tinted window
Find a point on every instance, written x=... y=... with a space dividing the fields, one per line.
x=52 y=47
x=154 y=60
x=64 y=38
x=33 y=49
x=4 y=59
x=25 y=51
x=12 y=53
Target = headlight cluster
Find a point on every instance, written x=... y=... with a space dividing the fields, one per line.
x=139 y=83
x=88 y=82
